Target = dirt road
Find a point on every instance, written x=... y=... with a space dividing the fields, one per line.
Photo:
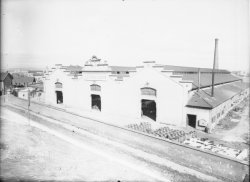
x=237 y=133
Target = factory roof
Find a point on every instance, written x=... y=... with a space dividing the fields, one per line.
x=203 y=98
x=191 y=73
x=184 y=69
x=73 y=68
x=206 y=79
x=122 y=68
x=188 y=73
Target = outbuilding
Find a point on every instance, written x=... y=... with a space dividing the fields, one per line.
x=5 y=82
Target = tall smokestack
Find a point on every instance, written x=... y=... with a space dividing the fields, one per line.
x=215 y=65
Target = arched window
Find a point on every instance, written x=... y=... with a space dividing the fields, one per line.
x=58 y=85
x=95 y=87
x=148 y=91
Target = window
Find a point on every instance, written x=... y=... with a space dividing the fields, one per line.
x=127 y=72
x=58 y=85
x=95 y=87
x=148 y=91
x=118 y=72
x=213 y=119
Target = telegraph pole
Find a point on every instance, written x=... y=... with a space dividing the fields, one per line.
x=29 y=105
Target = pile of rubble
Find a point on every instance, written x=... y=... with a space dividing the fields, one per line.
x=163 y=132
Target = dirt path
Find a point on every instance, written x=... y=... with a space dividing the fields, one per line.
x=239 y=131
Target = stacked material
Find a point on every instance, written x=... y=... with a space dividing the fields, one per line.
x=206 y=144
x=188 y=138
x=143 y=127
x=172 y=134
x=163 y=132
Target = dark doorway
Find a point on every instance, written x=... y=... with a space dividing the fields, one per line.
x=96 y=102
x=59 y=97
x=191 y=120
x=148 y=108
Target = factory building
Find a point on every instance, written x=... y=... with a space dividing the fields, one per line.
x=172 y=95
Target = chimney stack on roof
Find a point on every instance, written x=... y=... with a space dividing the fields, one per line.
x=215 y=65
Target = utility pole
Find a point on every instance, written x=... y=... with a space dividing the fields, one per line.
x=29 y=105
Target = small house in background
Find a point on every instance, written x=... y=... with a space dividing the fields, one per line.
x=5 y=82
x=20 y=80
x=24 y=92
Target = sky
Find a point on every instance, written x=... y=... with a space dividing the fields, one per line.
x=39 y=33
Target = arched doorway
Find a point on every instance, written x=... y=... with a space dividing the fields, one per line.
x=148 y=104
x=96 y=102
x=59 y=93
x=59 y=97
x=148 y=108
x=95 y=97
